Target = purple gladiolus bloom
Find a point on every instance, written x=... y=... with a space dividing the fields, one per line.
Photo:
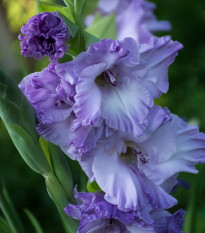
x=116 y=82
x=135 y=172
x=45 y=34
x=52 y=100
x=97 y=215
x=143 y=22
x=134 y=18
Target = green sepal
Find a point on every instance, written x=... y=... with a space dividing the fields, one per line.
x=103 y=27
x=62 y=170
x=44 y=146
x=93 y=187
x=34 y=221
x=19 y=119
x=57 y=194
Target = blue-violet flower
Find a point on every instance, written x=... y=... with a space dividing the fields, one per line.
x=137 y=172
x=116 y=82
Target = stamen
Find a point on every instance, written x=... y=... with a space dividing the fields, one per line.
x=59 y=102
x=109 y=78
x=143 y=158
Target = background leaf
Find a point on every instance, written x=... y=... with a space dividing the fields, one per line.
x=93 y=187
x=4 y=227
x=34 y=221
x=103 y=27
x=52 y=7
x=89 y=39
x=10 y=213
x=78 y=6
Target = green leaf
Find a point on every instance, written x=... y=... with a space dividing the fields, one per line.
x=66 y=58
x=69 y=3
x=104 y=27
x=77 y=44
x=51 y=7
x=34 y=221
x=9 y=212
x=78 y=6
x=19 y=119
x=90 y=7
x=4 y=227
x=89 y=39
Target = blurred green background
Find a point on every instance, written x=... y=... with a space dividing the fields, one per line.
x=186 y=97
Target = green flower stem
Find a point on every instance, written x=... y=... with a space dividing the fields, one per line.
x=10 y=213
x=58 y=195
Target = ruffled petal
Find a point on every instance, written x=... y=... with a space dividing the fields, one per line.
x=85 y=138
x=125 y=106
x=65 y=71
x=106 y=51
x=121 y=184
x=159 y=198
x=166 y=222
x=133 y=28
x=158 y=55
x=88 y=96
x=176 y=147
x=46 y=93
x=58 y=133
x=137 y=229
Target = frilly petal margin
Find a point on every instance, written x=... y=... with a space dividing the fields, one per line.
x=116 y=81
x=99 y=216
x=52 y=99
x=178 y=148
x=133 y=171
x=166 y=222
x=158 y=55
x=88 y=96
x=125 y=187
x=58 y=133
